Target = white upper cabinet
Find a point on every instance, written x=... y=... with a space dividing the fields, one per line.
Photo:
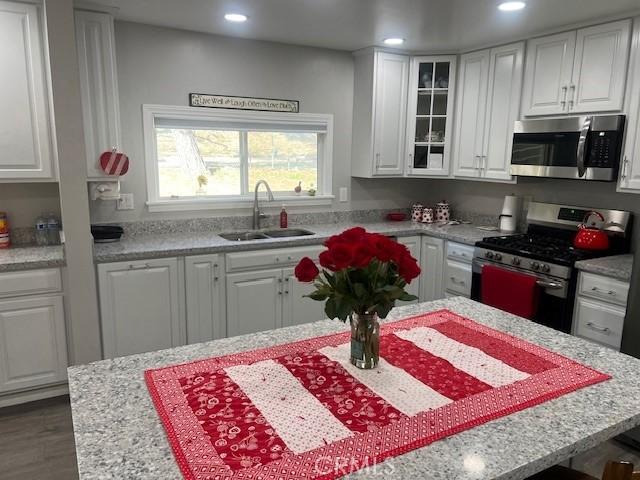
x=470 y=113
x=98 y=86
x=430 y=115
x=380 y=113
x=630 y=167
x=600 y=68
x=579 y=71
x=548 y=74
x=503 y=109
x=487 y=106
x=25 y=127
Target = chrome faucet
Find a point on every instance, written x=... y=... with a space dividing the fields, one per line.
x=257 y=214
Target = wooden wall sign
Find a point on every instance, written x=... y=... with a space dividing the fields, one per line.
x=243 y=103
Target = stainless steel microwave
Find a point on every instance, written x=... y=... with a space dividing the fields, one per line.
x=582 y=148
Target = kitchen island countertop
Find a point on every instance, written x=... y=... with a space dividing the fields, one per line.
x=197 y=243
x=119 y=435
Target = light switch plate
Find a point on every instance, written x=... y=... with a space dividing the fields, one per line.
x=125 y=202
x=344 y=194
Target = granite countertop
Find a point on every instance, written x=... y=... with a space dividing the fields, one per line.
x=118 y=434
x=168 y=245
x=27 y=258
x=617 y=266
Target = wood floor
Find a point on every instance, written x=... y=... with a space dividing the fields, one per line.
x=36 y=443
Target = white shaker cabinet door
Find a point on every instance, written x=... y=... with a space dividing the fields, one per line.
x=298 y=309
x=630 y=167
x=141 y=306
x=390 y=113
x=413 y=243
x=548 y=71
x=254 y=301
x=470 y=114
x=25 y=130
x=33 y=349
x=600 y=68
x=205 y=295
x=95 y=40
x=432 y=262
x=503 y=108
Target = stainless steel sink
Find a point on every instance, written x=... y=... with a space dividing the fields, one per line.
x=243 y=236
x=287 y=232
x=265 y=235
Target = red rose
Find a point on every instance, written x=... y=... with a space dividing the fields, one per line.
x=353 y=235
x=362 y=255
x=326 y=261
x=331 y=241
x=381 y=245
x=399 y=252
x=409 y=268
x=306 y=270
x=341 y=253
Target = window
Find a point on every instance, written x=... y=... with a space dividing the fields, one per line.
x=202 y=158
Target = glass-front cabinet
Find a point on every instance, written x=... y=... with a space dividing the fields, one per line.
x=430 y=114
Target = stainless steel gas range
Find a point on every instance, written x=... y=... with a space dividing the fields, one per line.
x=546 y=252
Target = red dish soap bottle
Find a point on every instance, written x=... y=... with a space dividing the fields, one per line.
x=284 y=223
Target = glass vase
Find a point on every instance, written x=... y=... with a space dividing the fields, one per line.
x=365 y=340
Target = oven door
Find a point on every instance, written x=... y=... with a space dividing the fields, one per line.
x=555 y=309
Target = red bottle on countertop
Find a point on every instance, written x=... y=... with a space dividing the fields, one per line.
x=284 y=223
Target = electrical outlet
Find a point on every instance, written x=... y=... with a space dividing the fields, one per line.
x=125 y=202
x=344 y=194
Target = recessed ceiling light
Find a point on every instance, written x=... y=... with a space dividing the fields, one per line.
x=511 y=6
x=235 y=17
x=393 y=41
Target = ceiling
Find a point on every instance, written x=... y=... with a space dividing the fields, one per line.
x=427 y=25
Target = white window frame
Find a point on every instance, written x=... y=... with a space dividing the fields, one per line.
x=324 y=194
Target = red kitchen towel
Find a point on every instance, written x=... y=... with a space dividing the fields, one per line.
x=510 y=291
x=301 y=410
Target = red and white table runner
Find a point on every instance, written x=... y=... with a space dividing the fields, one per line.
x=301 y=410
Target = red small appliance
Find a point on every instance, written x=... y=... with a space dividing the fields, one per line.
x=591 y=237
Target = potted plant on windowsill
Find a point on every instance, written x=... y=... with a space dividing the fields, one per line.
x=363 y=275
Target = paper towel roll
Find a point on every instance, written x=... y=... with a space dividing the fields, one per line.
x=509 y=214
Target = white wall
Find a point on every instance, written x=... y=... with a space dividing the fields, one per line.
x=162 y=66
x=23 y=202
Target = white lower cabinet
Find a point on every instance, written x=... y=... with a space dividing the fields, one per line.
x=600 y=309
x=296 y=308
x=413 y=243
x=254 y=301
x=141 y=306
x=431 y=263
x=458 y=270
x=206 y=299
x=33 y=348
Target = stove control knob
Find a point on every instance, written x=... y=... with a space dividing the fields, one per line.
x=515 y=261
x=535 y=266
x=489 y=255
x=498 y=256
x=545 y=268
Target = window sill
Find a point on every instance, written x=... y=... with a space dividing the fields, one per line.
x=192 y=204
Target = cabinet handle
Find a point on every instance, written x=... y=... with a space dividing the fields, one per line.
x=215 y=272
x=457 y=281
x=608 y=292
x=572 y=90
x=377 y=161
x=625 y=162
x=476 y=165
x=484 y=162
x=598 y=327
x=563 y=102
x=139 y=267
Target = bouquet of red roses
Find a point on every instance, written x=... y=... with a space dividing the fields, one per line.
x=363 y=273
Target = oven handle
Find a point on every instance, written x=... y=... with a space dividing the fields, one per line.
x=581 y=152
x=549 y=285
x=542 y=283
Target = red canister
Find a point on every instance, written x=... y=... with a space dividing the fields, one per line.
x=5 y=241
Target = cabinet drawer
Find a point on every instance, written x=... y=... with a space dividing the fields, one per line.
x=457 y=277
x=603 y=288
x=599 y=321
x=270 y=258
x=460 y=252
x=29 y=282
